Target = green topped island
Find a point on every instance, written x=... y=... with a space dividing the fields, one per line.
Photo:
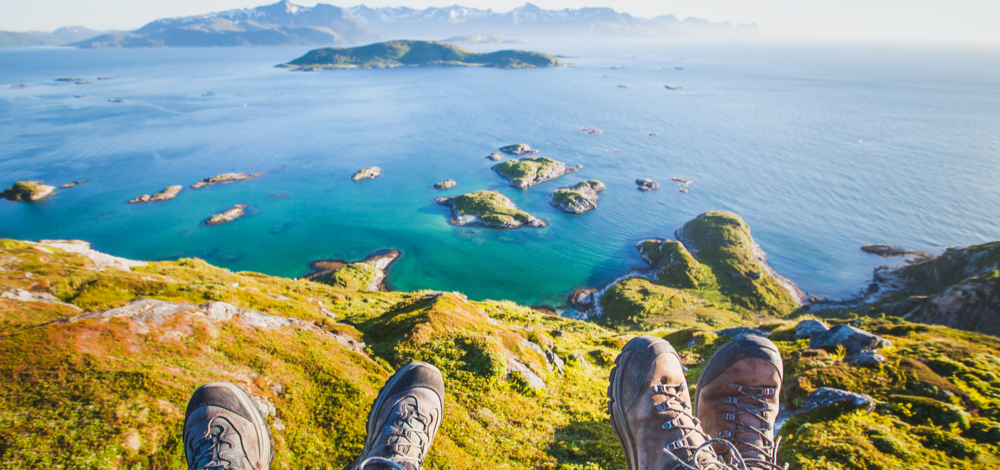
x=417 y=54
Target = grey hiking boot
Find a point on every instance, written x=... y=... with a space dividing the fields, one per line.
x=224 y=430
x=737 y=399
x=651 y=412
x=404 y=419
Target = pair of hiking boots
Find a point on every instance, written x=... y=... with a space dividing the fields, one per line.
x=649 y=402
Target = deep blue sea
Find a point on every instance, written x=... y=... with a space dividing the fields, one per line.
x=820 y=148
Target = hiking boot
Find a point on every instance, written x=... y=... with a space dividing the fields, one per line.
x=404 y=419
x=223 y=429
x=737 y=399
x=651 y=413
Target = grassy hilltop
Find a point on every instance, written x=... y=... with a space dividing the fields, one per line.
x=525 y=389
x=418 y=53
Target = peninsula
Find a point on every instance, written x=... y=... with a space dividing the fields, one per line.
x=417 y=54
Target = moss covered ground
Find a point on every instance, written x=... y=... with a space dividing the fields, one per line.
x=95 y=394
x=354 y=276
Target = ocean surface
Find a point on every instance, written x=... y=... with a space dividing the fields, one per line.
x=820 y=148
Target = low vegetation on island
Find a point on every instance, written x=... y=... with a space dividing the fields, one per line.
x=530 y=171
x=28 y=191
x=417 y=54
x=489 y=209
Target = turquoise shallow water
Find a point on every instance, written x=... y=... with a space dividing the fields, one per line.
x=820 y=148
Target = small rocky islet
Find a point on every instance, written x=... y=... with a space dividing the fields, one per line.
x=370 y=275
x=165 y=195
x=446 y=184
x=28 y=191
x=488 y=209
x=518 y=149
x=578 y=198
x=224 y=179
x=367 y=173
x=646 y=184
x=530 y=171
x=72 y=184
x=227 y=216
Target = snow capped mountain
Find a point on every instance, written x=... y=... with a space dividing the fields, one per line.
x=285 y=23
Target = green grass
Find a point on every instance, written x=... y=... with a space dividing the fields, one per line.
x=522 y=173
x=489 y=206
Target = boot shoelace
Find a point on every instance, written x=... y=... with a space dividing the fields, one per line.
x=677 y=405
x=752 y=401
x=208 y=450
x=404 y=433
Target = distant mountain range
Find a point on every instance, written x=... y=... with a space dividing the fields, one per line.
x=58 y=37
x=285 y=23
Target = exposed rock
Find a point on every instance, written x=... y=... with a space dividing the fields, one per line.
x=227 y=216
x=646 y=184
x=67 y=79
x=367 y=173
x=622 y=86
x=553 y=358
x=809 y=328
x=530 y=171
x=590 y=131
x=114 y=100
x=26 y=191
x=495 y=156
x=971 y=305
x=101 y=260
x=446 y=184
x=854 y=340
x=164 y=195
x=866 y=359
x=653 y=134
x=533 y=380
x=26 y=296
x=824 y=396
x=742 y=331
x=577 y=199
x=518 y=149
x=149 y=313
x=582 y=299
x=683 y=190
x=224 y=178
x=883 y=250
x=681 y=180
x=70 y=185
x=21 y=85
x=489 y=209
x=673 y=87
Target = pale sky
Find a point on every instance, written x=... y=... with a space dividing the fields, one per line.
x=848 y=20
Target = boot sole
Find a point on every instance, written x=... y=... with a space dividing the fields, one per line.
x=383 y=394
x=615 y=406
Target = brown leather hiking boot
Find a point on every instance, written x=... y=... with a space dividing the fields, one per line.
x=404 y=419
x=651 y=413
x=737 y=399
x=223 y=429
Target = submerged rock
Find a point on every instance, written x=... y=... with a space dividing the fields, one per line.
x=883 y=250
x=681 y=180
x=27 y=191
x=164 y=195
x=578 y=198
x=446 y=184
x=489 y=209
x=224 y=178
x=530 y=171
x=227 y=216
x=367 y=173
x=74 y=183
x=646 y=184
x=518 y=149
